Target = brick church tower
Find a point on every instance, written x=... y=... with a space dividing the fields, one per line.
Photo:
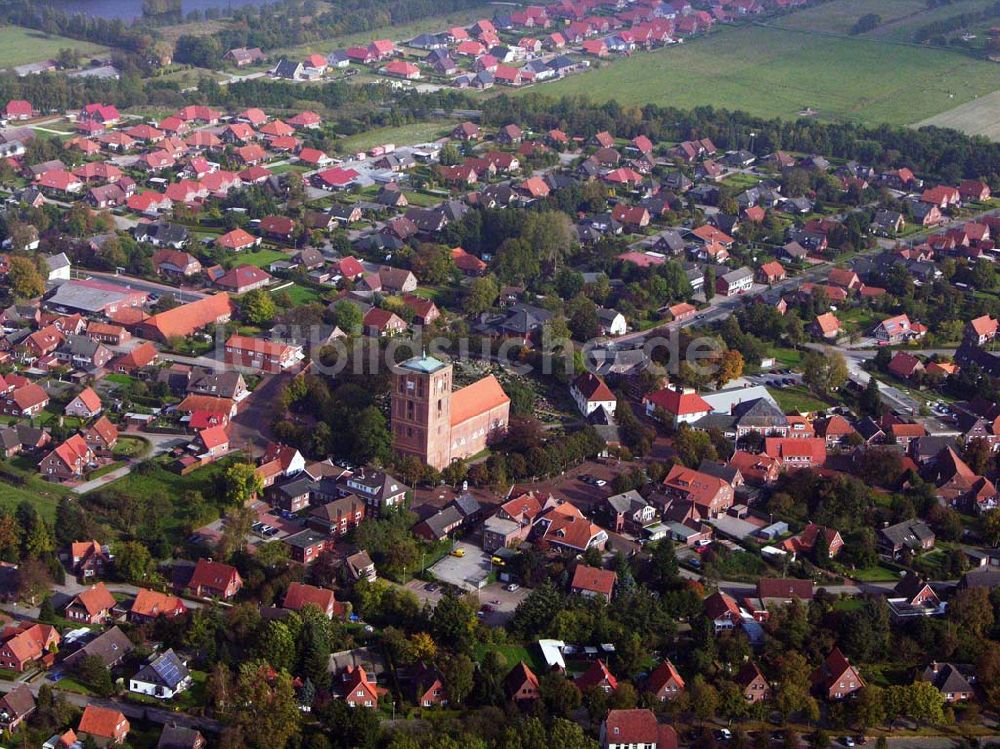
x=421 y=410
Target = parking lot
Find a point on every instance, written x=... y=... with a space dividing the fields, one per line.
x=466 y=571
x=498 y=603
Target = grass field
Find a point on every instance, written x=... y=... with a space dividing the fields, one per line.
x=839 y=17
x=418 y=132
x=42 y=494
x=797 y=399
x=900 y=18
x=20 y=46
x=777 y=73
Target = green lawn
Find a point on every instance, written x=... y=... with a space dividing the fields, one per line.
x=773 y=72
x=418 y=132
x=300 y=294
x=788 y=358
x=260 y=258
x=797 y=399
x=20 y=46
x=128 y=447
x=876 y=574
x=512 y=654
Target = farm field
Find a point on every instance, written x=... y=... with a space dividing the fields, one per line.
x=20 y=46
x=844 y=79
x=839 y=16
x=978 y=117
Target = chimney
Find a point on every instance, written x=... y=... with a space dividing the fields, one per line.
x=935 y=666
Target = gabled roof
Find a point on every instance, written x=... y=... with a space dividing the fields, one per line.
x=593 y=580
x=103 y=722
x=677 y=402
x=596 y=675
x=95 y=599
x=663 y=675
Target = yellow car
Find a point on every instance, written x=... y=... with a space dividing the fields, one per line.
x=458 y=552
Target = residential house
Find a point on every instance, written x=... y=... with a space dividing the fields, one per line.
x=597 y=676
x=150 y=604
x=593 y=582
x=89 y=559
x=104 y=725
x=664 y=683
x=521 y=684
x=836 y=678
x=752 y=683
x=954 y=682
x=91 y=606
x=636 y=729
x=85 y=405
x=163 y=676
x=215 y=580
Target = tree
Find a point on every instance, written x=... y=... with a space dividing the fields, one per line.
x=868 y=707
x=869 y=401
x=481 y=295
x=458 y=674
x=258 y=307
x=824 y=372
x=24 y=279
x=972 y=610
x=347 y=317
x=991 y=527
x=730 y=367
x=242 y=483
x=134 y=563
x=663 y=565
x=432 y=263
x=704 y=699
x=794 y=684
x=91 y=671
x=372 y=441
x=264 y=706
x=276 y=644
x=709 y=283
x=560 y=695
x=978 y=455
x=925 y=701
x=453 y=621
x=693 y=446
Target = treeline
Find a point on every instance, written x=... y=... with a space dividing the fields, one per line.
x=935 y=153
x=285 y=25
x=59 y=92
x=934 y=32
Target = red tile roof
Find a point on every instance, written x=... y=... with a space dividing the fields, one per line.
x=593 y=580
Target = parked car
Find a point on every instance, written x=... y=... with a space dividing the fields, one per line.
x=513 y=587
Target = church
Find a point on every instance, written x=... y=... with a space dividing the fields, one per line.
x=438 y=426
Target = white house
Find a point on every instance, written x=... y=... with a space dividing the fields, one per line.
x=611 y=322
x=59 y=267
x=590 y=394
x=163 y=676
